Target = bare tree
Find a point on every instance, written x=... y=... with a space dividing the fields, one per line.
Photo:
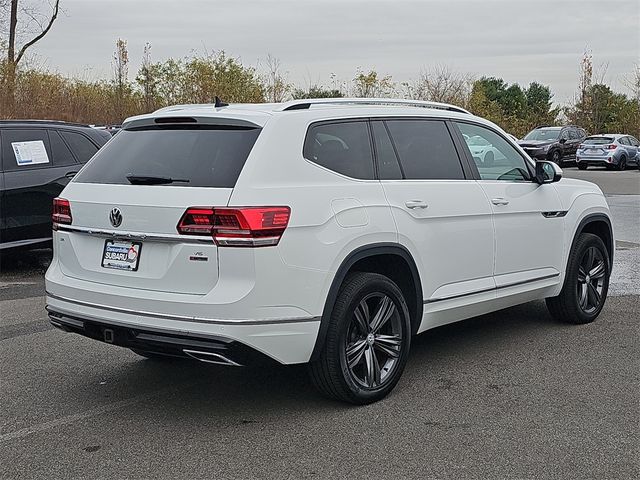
x=277 y=87
x=37 y=25
x=441 y=84
x=121 y=75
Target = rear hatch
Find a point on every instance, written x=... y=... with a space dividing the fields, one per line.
x=126 y=203
x=596 y=146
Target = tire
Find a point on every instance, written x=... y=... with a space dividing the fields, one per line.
x=489 y=158
x=622 y=164
x=361 y=296
x=577 y=302
x=153 y=355
x=582 y=166
x=556 y=157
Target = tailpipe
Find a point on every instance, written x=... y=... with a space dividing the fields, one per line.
x=210 y=357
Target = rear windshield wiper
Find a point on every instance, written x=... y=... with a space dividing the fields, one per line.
x=153 y=180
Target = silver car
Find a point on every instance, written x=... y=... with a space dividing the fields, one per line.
x=611 y=150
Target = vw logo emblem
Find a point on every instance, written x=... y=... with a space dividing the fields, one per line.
x=115 y=217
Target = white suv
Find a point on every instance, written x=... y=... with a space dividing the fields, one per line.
x=319 y=231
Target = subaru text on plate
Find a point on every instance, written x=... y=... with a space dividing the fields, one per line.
x=326 y=232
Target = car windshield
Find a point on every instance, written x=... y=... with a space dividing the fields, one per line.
x=543 y=134
x=597 y=140
x=477 y=141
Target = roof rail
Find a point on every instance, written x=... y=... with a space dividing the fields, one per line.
x=39 y=122
x=306 y=104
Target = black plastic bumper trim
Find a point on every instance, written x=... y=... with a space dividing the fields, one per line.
x=160 y=341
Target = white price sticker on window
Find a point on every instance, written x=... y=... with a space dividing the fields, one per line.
x=30 y=153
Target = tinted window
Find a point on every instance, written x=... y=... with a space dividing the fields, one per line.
x=582 y=133
x=551 y=133
x=574 y=134
x=59 y=150
x=565 y=134
x=388 y=167
x=28 y=142
x=633 y=141
x=205 y=156
x=81 y=146
x=425 y=149
x=343 y=147
x=624 y=141
x=494 y=156
x=597 y=140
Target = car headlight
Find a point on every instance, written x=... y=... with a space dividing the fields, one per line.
x=546 y=148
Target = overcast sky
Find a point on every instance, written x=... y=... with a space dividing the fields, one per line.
x=518 y=40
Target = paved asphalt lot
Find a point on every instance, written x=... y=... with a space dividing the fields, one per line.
x=507 y=395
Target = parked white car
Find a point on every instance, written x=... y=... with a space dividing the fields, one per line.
x=326 y=232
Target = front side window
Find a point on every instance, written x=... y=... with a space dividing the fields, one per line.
x=343 y=147
x=494 y=156
x=633 y=141
x=425 y=149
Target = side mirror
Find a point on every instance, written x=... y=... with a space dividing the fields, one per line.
x=547 y=172
x=563 y=140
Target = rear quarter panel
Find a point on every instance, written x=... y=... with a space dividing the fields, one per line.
x=331 y=215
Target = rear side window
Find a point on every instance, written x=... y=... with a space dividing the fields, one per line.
x=61 y=154
x=426 y=150
x=202 y=156
x=344 y=147
x=624 y=141
x=25 y=149
x=82 y=147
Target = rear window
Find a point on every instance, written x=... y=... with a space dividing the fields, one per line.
x=202 y=156
x=597 y=140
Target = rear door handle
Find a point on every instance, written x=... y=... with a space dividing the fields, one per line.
x=70 y=174
x=499 y=201
x=415 y=204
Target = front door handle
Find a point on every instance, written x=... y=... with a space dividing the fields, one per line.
x=415 y=204
x=499 y=201
x=70 y=174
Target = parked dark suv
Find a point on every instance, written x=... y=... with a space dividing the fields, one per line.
x=556 y=144
x=37 y=160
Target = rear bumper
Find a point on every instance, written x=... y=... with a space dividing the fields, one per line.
x=596 y=160
x=241 y=342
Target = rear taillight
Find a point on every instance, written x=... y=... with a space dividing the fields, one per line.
x=61 y=214
x=237 y=227
x=612 y=147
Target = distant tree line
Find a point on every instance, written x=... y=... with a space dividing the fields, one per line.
x=39 y=93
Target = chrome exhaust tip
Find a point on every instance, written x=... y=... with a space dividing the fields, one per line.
x=210 y=357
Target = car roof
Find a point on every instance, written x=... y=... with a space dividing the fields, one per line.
x=258 y=114
x=42 y=123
